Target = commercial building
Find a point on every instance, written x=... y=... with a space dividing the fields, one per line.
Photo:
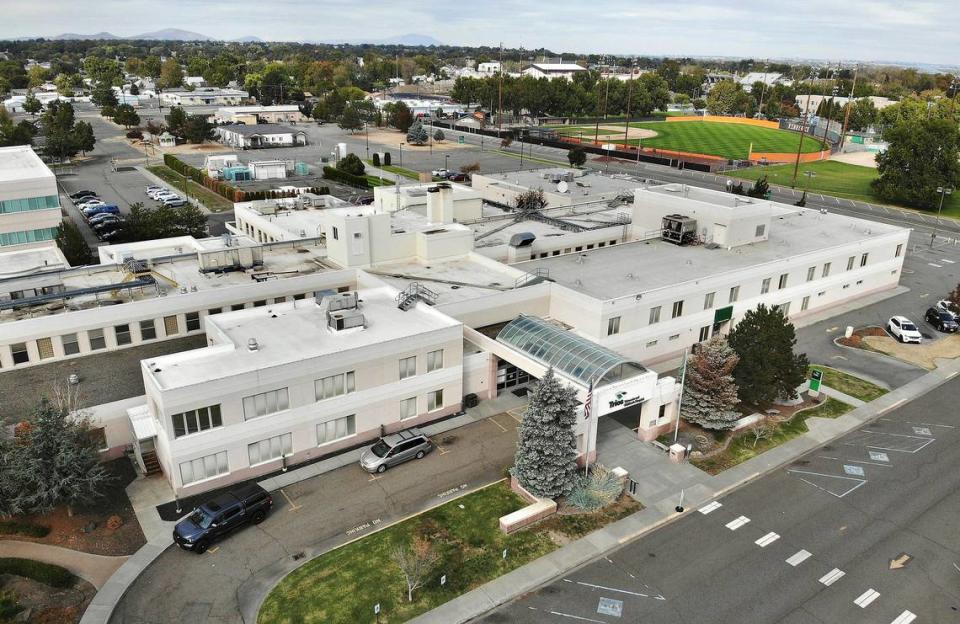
x=810 y=104
x=260 y=136
x=464 y=203
x=251 y=115
x=29 y=202
x=560 y=186
x=768 y=78
x=204 y=96
x=552 y=71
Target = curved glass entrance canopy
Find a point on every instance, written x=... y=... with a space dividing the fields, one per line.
x=573 y=355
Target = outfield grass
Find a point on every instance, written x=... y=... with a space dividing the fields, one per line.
x=213 y=201
x=832 y=178
x=849 y=384
x=722 y=139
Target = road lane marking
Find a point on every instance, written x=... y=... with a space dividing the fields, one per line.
x=799 y=558
x=715 y=505
x=936 y=266
x=905 y=618
x=767 y=539
x=831 y=577
x=947 y=261
x=866 y=598
x=733 y=525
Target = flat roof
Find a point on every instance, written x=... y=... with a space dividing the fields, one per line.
x=458 y=279
x=28 y=261
x=20 y=162
x=279 y=108
x=497 y=225
x=641 y=266
x=267 y=128
x=292 y=332
x=583 y=186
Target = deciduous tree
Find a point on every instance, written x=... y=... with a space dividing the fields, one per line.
x=400 y=116
x=921 y=155
x=32 y=105
x=709 y=390
x=577 y=156
x=126 y=116
x=415 y=562
x=71 y=243
x=171 y=76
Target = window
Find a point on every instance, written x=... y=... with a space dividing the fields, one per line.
x=19 y=352
x=863 y=259
x=408 y=367
x=704 y=333
x=805 y=303
x=662 y=412
x=235 y=307
x=674 y=337
x=334 y=385
x=279 y=299
x=677 y=309
x=28 y=203
x=196 y=420
x=122 y=334
x=336 y=233
x=811 y=273
x=336 y=429
x=785 y=308
x=655 y=315
x=271 y=448
x=760 y=230
x=898 y=251
x=734 y=294
x=783 y=281
x=71 y=346
x=204 y=468
x=260 y=303
x=765 y=286
x=408 y=408
x=434 y=360
x=97 y=341
x=148 y=330
x=28 y=236
x=214 y=311
x=193 y=321
x=434 y=400
x=299 y=296
x=850 y=262
x=171 y=326
x=708 y=300
x=45 y=348
x=613 y=325
x=265 y=403
x=826 y=269
x=652 y=343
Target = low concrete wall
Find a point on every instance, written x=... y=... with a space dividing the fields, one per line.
x=538 y=509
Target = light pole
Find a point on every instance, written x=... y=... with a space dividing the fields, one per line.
x=944 y=191
x=446 y=162
x=401 y=154
x=366 y=130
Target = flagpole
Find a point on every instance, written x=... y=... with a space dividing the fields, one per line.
x=588 y=413
x=683 y=377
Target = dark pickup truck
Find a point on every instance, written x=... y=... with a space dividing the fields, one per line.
x=213 y=519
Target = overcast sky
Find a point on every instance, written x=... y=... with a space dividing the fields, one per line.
x=892 y=30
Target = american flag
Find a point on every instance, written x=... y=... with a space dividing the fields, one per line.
x=587 y=402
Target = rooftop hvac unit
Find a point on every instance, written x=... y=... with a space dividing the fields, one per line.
x=522 y=239
x=678 y=229
x=344 y=319
x=568 y=176
x=342 y=301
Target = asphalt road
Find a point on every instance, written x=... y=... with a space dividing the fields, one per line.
x=886 y=491
x=316 y=514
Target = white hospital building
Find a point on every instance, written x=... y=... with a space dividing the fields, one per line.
x=29 y=203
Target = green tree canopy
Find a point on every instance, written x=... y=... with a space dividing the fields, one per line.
x=577 y=156
x=171 y=76
x=921 y=156
x=32 y=105
x=126 y=116
x=197 y=129
x=351 y=164
x=709 y=390
x=71 y=243
x=400 y=116
x=417 y=134
x=350 y=119
x=768 y=368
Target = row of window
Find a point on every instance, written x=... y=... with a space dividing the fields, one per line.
x=557 y=252
x=29 y=203
x=27 y=236
x=613 y=323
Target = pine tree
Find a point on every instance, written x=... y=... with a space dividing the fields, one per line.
x=710 y=392
x=768 y=368
x=545 y=463
x=417 y=134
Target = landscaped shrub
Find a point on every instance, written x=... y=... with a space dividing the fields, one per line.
x=376 y=159
x=8 y=606
x=12 y=527
x=347 y=178
x=386 y=158
x=595 y=491
x=45 y=573
x=136 y=133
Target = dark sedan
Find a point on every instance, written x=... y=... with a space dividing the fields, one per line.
x=942 y=320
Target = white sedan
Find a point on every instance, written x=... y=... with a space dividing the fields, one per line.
x=903 y=329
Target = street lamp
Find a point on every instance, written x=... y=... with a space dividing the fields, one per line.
x=944 y=191
x=401 y=154
x=446 y=162
x=366 y=129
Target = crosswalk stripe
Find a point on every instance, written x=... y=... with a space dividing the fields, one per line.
x=715 y=505
x=733 y=525
x=831 y=577
x=905 y=618
x=767 y=539
x=799 y=558
x=866 y=598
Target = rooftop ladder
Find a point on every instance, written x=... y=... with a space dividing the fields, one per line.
x=413 y=293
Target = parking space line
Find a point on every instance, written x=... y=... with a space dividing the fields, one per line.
x=767 y=539
x=854 y=461
x=442 y=450
x=831 y=577
x=213 y=550
x=905 y=618
x=866 y=598
x=820 y=474
x=733 y=525
x=937 y=266
x=293 y=506
x=373 y=478
x=613 y=589
x=494 y=421
x=715 y=505
x=799 y=557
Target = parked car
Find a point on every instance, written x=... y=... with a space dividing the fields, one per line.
x=941 y=319
x=103 y=217
x=440 y=173
x=112 y=235
x=395 y=449
x=152 y=189
x=216 y=518
x=158 y=191
x=903 y=329
x=161 y=197
x=96 y=201
x=110 y=221
x=101 y=209
x=458 y=177
x=82 y=194
x=174 y=202
x=946 y=306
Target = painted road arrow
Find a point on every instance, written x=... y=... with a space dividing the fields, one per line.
x=900 y=562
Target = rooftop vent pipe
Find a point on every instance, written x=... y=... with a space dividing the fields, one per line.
x=252 y=345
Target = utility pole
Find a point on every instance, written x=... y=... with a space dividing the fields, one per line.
x=500 y=95
x=626 y=124
x=763 y=89
x=683 y=379
x=846 y=117
x=803 y=131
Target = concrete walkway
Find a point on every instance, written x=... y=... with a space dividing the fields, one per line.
x=660 y=510
x=95 y=569
x=842 y=397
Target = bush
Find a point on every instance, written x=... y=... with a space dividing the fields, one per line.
x=12 y=527
x=351 y=164
x=8 y=606
x=136 y=133
x=386 y=158
x=376 y=159
x=595 y=491
x=332 y=173
x=46 y=573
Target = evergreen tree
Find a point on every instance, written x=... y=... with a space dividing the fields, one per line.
x=71 y=243
x=83 y=136
x=577 y=156
x=545 y=463
x=417 y=134
x=197 y=129
x=351 y=164
x=350 y=120
x=56 y=462
x=103 y=95
x=759 y=189
x=176 y=120
x=709 y=391
x=768 y=368
x=438 y=135
x=32 y=105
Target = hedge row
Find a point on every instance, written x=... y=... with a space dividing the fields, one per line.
x=332 y=173
x=12 y=527
x=226 y=190
x=46 y=573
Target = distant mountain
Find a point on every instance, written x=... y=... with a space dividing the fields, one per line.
x=172 y=34
x=99 y=35
x=410 y=40
x=247 y=39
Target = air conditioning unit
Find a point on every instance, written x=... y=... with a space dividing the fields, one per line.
x=345 y=319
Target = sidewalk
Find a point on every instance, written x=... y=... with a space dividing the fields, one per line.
x=95 y=569
x=659 y=511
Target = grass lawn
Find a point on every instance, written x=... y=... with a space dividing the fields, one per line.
x=373 y=181
x=722 y=139
x=833 y=178
x=213 y=202
x=343 y=585
x=742 y=447
x=848 y=384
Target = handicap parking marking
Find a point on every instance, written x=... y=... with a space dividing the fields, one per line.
x=609 y=606
x=828 y=482
x=924 y=431
x=856 y=471
x=879 y=456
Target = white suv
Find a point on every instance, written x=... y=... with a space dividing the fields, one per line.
x=901 y=328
